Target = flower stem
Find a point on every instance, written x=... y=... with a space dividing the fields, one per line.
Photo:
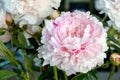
x=111 y=73
x=104 y=18
x=65 y=76
x=55 y=72
x=27 y=65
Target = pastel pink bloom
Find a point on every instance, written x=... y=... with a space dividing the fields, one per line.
x=74 y=42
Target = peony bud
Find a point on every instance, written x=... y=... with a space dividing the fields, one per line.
x=9 y=18
x=115 y=59
x=55 y=14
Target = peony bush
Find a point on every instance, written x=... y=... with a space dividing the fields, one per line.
x=40 y=42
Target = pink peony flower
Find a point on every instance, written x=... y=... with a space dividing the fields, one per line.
x=112 y=9
x=74 y=42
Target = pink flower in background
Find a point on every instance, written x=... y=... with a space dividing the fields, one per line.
x=30 y=11
x=112 y=9
x=6 y=36
x=74 y=42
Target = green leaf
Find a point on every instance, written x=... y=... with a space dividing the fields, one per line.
x=2 y=31
x=92 y=75
x=20 y=41
x=6 y=74
x=111 y=31
x=79 y=77
x=116 y=47
x=88 y=76
x=112 y=38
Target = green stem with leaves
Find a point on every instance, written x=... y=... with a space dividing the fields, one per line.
x=12 y=59
x=27 y=65
x=8 y=54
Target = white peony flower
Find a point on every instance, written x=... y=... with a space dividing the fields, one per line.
x=112 y=9
x=30 y=11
